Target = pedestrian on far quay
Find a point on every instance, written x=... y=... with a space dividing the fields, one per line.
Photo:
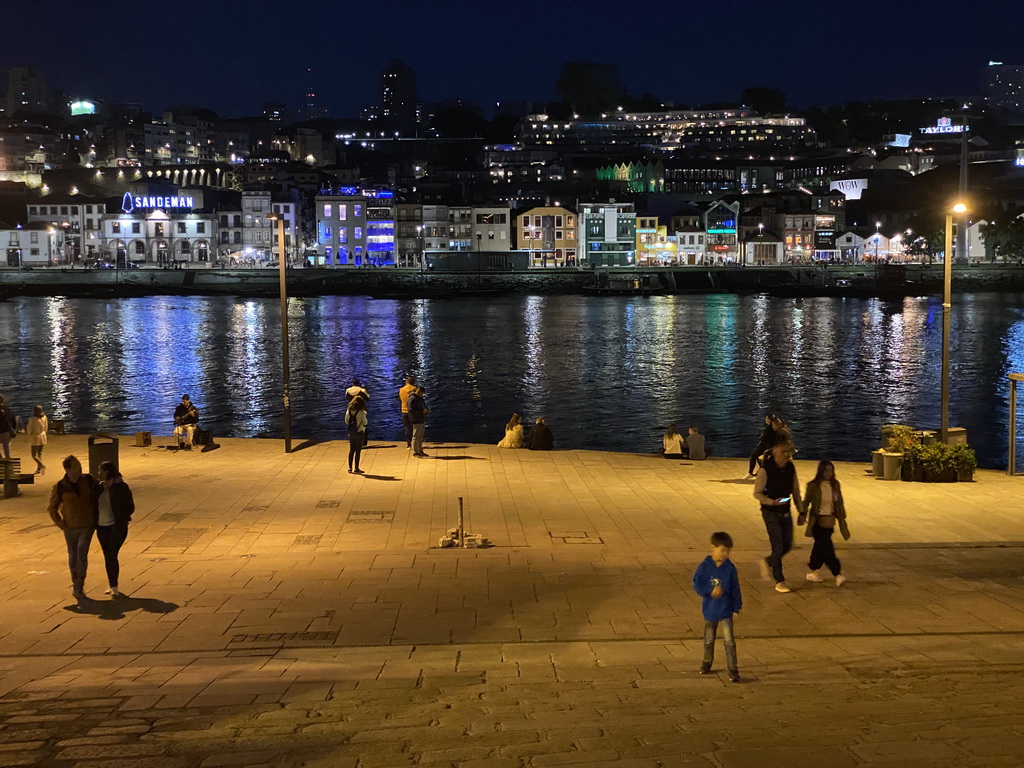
x=764 y=444
x=35 y=431
x=115 y=508
x=8 y=428
x=673 y=445
x=418 y=417
x=718 y=584
x=73 y=509
x=403 y=395
x=355 y=418
x=541 y=438
x=513 y=433
x=825 y=512
x=777 y=489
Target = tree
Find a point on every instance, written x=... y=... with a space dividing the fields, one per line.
x=1005 y=241
x=764 y=101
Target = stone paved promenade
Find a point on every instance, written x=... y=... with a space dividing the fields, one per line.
x=282 y=612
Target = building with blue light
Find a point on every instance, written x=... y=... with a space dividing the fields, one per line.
x=355 y=228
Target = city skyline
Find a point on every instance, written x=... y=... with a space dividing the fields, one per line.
x=886 y=52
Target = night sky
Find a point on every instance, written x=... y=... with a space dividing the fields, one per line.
x=231 y=56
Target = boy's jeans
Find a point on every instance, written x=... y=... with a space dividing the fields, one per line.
x=711 y=632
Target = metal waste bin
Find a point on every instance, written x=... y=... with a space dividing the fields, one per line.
x=57 y=426
x=102 y=447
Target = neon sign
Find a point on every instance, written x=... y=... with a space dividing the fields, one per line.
x=945 y=125
x=132 y=202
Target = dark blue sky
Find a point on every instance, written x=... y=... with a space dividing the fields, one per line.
x=231 y=56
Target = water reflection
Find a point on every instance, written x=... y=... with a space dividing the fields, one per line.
x=607 y=373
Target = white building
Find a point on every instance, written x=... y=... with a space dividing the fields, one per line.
x=690 y=245
x=156 y=237
x=32 y=245
x=492 y=229
x=850 y=246
x=257 y=229
x=78 y=219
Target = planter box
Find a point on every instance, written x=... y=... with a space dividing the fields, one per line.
x=965 y=477
x=949 y=476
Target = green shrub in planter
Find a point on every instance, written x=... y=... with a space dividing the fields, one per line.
x=965 y=460
x=945 y=463
x=898 y=438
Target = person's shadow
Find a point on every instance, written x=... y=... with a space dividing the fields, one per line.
x=116 y=608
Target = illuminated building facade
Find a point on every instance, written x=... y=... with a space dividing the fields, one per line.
x=607 y=234
x=550 y=234
x=355 y=228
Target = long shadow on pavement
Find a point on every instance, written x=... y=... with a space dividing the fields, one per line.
x=381 y=477
x=458 y=458
x=118 y=607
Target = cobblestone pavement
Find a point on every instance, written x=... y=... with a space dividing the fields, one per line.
x=281 y=612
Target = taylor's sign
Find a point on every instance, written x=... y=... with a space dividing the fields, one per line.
x=944 y=125
x=132 y=202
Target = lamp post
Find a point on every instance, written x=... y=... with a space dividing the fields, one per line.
x=285 y=367
x=947 y=264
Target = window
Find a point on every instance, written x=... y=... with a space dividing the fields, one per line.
x=558 y=222
x=490 y=235
x=327 y=232
x=342 y=234
x=63 y=210
x=88 y=224
x=33 y=251
x=223 y=220
x=224 y=237
x=31 y=210
x=327 y=255
x=526 y=221
x=503 y=235
x=571 y=234
x=136 y=228
x=74 y=210
x=342 y=215
x=201 y=227
x=357 y=252
x=115 y=227
x=159 y=230
x=357 y=211
x=238 y=237
x=238 y=219
x=182 y=228
x=558 y=234
x=53 y=210
x=536 y=221
x=568 y=221
x=327 y=210
x=526 y=234
x=34 y=238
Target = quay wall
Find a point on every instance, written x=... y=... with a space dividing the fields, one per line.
x=392 y=282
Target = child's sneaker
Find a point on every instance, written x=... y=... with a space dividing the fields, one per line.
x=840 y=580
x=734 y=675
x=814 y=576
x=705 y=668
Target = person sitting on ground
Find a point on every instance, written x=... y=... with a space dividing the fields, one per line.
x=186 y=416
x=513 y=433
x=672 y=445
x=695 y=445
x=541 y=438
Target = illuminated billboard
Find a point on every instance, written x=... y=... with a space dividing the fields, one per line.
x=83 y=108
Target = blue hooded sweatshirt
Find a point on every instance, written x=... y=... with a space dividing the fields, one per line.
x=707 y=577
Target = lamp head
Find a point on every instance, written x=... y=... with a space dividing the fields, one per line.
x=959 y=208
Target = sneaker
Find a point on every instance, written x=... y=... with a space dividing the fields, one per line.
x=766 y=571
x=840 y=580
x=113 y=592
x=734 y=675
x=782 y=587
x=749 y=476
x=705 y=668
x=814 y=576
x=357 y=472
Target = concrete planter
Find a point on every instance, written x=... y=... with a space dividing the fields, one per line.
x=892 y=463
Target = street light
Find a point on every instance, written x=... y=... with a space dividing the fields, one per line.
x=947 y=286
x=279 y=218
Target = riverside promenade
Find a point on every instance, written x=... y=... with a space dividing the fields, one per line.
x=282 y=612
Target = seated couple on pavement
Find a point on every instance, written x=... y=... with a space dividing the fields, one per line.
x=186 y=417
x=675 y=446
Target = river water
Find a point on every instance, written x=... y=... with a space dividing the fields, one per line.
x=607 y=373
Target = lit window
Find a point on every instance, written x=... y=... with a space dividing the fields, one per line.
x=342 y=212
x=342 y=234
x=327 y=210
x=357 y=211
x=357 y=234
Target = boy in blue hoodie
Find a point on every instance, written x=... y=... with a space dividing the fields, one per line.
x=718 y=584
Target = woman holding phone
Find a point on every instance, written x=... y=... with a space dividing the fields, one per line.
x=777 y=489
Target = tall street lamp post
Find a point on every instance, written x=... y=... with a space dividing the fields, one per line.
x=947 y=263
x=285 y=367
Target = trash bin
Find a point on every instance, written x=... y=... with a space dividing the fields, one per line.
x=102 y=447
x=877 y=463
x=892 y=465
x=956 y=436
x=57 y=426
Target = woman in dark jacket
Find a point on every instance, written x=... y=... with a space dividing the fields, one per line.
x=116 y=506
x=764 y=444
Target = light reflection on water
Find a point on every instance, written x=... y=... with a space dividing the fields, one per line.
x=606 y=373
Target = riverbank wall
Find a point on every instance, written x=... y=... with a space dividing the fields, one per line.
x=852 y=280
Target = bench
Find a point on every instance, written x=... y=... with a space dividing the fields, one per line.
x=10 y=471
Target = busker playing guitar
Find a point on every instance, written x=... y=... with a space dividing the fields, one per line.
x=186 y=416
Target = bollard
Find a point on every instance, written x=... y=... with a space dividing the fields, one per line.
x=462 y=527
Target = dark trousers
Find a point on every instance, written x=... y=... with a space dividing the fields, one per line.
x=111 y=538
x=356 y=440
x=824 y=552
x=407 y=423
x=710 y=633
x=755 y=457
x=780 y=534
x=78 y=541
